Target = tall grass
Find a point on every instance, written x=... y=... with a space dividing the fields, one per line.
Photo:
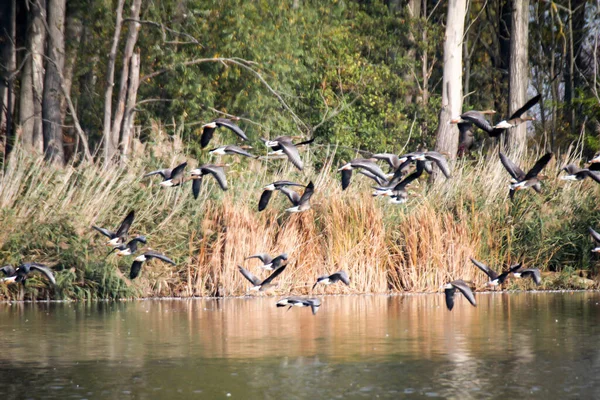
x=46 y=215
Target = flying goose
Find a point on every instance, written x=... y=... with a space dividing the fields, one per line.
x=495 y=279
x=20 y=274
x=301 y=203
x=531 y=179
x=171 y=177
x=284 y=144
x=574 y=173
x=435 y=157
x=450 y=291
x=136 y=267
x=340 y=276
x=232 y=150
x=533 y=273
x=258 y=284
x=596 y=237
x=216 y=170
x=269 y=189
x=269 y=264
x=366 y=164
x=466 y=138
x=295 y=301
x=130 y=248
x=516 y=119
x=208 y=130
x=118 y=237
x=398 y=193
x=518 y=175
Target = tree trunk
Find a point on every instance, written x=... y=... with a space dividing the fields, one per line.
x=110 y=145
x=134 y=82
x=518 y=71
x=447 y=135
x=53 y=140
x=132 y=36
x=8 y=66
x=32 y=81
x=414 y=11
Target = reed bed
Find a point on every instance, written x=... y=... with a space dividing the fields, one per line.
x=46 y=215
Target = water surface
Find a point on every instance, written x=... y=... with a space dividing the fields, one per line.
x=513 y=345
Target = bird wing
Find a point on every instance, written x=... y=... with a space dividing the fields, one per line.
x=526 y=107
x=248 y=275
x=374 y=177
x=136 y=267
x=162 y=257
x=593 y=175
x=309 y=141
x=539 y=165
x=44 y=270
x=369 y=166
x=178 y=171
x=514 y=268
x=477 y=119
x=218 y=173
x=291 y=194
x=264 y=257
x=489 y=272
x=8 y=270
x=595 y=235
x=274 y=275
x=346 y=178
x=231 y=126
x=292 y=152
x=512 y=168
x=165 y=173
x=534 y=273
x=207 y=135
x=264 y=199
x=308 y=192
x=126 y=224
x=104 y=231
x=441 y=162
x=411 y=177
x=286 y=183
x=465 y=290
x=570 y=169
x=196 y=185
x=391 y=159
x=342 y=276
x=449 y=292
x=240 y=151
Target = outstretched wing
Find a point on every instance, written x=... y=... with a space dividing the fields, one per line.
x=291 y=194
x=8 y=270
x=539 y=165
x=488 y=271
x=162 y=257
x=264 y=199
x=346 y=178
x=218 y=173
x=533 y=273
x=165 y=173
x=274 y=275
x=526 y=107
x=178 y=171
x=292 y=152
x=264 y=257
x=248 y=275
x=449 y=292
x=441 y=162
x=240 y=151
x=411 y=177
x=136 y=267
x=308 y=192
x=196 y=185
x=104 y=231
x=477 y=119
x=342 y=276
x=126 y=224
x=465 y=290
x=44 y=270
x=512 y=168
x=231 y=126
x=207 y=135
x=595 y=235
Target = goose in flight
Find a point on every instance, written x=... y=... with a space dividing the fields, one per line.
x=520 y=177
x=340 y=276
x=432 y=156
x=130 y=248
x=284 y=145
x=295 y=301
x=461 y=286
x=495 y=279
x=533 y=273
x=574 y=173
x=366 y=164
x=120 y=235
x=531 y=179
x=269 y=189
x=208 y=130
x=300 y=203
x=216 y=170
x=21 y=273
x=232 y=150
x=264 y=284
x=398 y=193
x=136 y=266
x=171 y=177
x=269 y=263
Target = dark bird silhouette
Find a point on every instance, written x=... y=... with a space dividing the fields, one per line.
x=450 y=291
x=208 y=130
x=216 y=170
x=136 y=267
x=533 y=273
x=295 y=301
x=270 y=264
x=171 y=177
x=264 y=284
x=520 y=177
x=130 y=248
x=366 y=164
x=269 y=189
x=21 y=273
x=340 y=276
x=120 y=235
x=574 y=173
x=495 y=279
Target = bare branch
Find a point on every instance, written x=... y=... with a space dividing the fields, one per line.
x=164 y=28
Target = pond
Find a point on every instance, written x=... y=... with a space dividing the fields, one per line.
x=513 y=345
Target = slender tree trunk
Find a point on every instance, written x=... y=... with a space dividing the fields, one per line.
x=414 y=11
x=132 y=36
x=53 y=140
x=8 y=66
x=447 y=135
x=134 y=82
x=110 y=145
x=518 y=70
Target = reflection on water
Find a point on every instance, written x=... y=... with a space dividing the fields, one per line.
x=533 y=345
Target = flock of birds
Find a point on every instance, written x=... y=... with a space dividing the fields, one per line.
x=392 y=184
